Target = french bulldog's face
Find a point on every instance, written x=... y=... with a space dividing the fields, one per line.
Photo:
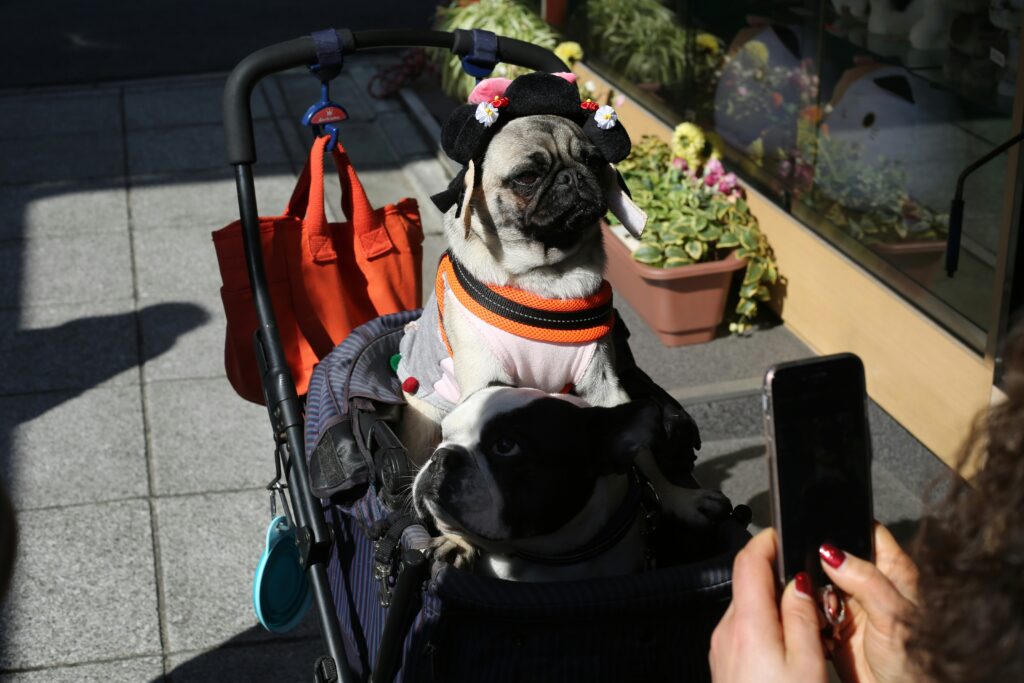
x=542 y=183
x=519 y=463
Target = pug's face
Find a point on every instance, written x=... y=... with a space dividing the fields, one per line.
x=542 y=187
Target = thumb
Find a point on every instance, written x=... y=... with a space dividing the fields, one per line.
x=801 y=629
x=862 y=581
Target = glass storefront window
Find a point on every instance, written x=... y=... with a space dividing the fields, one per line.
x=855 y=116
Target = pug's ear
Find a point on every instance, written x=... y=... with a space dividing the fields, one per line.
x=467 y=197
x=632 y=217
x=623 y=432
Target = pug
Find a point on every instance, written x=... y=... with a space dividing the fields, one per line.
x=529 y=220
x=520 y=299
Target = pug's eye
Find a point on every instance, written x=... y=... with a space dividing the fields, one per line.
x=505 y=447
x=525 y=179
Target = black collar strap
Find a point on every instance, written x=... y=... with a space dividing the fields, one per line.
x=607 y=538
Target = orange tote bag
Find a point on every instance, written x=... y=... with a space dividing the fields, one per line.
x=324 y=278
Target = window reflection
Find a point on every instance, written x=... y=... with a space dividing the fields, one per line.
x=855 y=115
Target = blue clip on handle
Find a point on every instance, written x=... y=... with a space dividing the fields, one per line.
x=323 y=116
x=480 y=62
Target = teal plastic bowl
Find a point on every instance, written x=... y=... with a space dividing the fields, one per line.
x=280 y=591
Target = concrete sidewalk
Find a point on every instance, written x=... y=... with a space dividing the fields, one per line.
x=137 y=473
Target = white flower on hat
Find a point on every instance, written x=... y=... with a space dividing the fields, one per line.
x=605 y=117
x=486 y=113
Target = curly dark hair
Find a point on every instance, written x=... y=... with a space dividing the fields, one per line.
x=969 y=624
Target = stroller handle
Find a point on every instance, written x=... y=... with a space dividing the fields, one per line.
x=238 y=129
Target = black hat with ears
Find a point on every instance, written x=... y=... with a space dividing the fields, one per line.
x=469 y=129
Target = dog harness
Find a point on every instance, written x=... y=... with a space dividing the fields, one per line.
x=546 y=344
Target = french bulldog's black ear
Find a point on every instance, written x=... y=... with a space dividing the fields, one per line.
x=623 y=432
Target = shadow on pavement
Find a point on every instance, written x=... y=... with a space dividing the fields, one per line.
x=242 y=659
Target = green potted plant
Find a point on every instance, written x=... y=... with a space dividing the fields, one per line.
x=644 y=41
x=504 y=17
x=700 y=232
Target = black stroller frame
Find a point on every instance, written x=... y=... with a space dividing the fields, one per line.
x=283 y=403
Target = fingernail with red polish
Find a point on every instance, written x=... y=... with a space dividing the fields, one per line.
x=832 y=555
x=802 y=581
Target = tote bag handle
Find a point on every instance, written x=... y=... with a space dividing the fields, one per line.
x=307 y=203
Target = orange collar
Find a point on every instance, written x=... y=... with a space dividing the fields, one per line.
x=560 y=321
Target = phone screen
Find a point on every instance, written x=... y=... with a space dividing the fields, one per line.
x=823 y=461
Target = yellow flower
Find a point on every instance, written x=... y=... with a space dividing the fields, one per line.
x=688 y=142
x=757 y=51
x=707 y=42
x=569 y=52
x=756 y=150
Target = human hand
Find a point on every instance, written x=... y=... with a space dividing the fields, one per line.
x=870 y=648
x=759 y=639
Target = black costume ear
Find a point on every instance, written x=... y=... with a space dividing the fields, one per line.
x=462 y=134
x=613 y=142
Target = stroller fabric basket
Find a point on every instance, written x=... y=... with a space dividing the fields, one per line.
x=654 y=626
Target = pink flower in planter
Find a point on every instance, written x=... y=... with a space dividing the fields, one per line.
x=728 y=183
x=713 y=172
x=680 y=164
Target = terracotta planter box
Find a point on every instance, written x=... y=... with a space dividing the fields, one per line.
x=683 y=305
x=918 y=260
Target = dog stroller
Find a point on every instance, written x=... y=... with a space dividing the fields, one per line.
x=386 y=612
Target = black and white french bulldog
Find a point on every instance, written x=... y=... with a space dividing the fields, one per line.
x=540 y=487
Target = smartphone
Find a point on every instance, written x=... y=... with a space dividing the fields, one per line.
x=819 y=457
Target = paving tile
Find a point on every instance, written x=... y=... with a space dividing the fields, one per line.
x=63 y=448
x=404 y=134
x=122 y=671
x=203 y=437
x=68 y=347
x=97 y=111
x=368 y=146
x=204 y=200
x=726 y=358
x=64 y=270
x=361 y=74
x=898 y=451
x=193 y=148
x=52 y=158
x=275 y=661
x=196 y=335
x=209 y=547
x=181 y=104
x=84 y=587
x=63 y=209
x=177 y=263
